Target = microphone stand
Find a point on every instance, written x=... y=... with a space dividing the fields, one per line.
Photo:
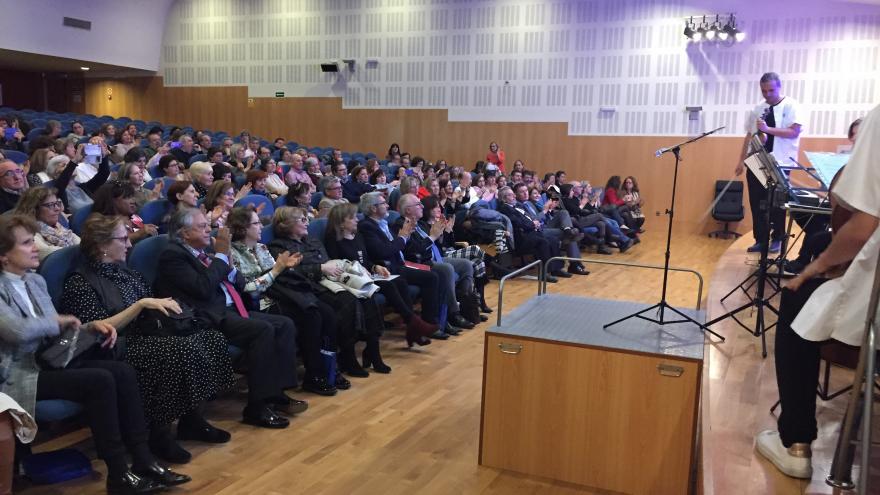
x=662 y=306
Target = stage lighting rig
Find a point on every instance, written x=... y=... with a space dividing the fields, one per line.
x=722 y=30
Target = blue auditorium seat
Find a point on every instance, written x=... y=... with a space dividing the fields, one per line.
x=144 y=256
x=16 y=156
x=55 y=267
x=78 y=218
x=48 y=411
x=317 y=228
x=154 y=212
x=256 y=200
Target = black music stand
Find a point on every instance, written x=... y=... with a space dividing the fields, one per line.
x=776 y=186
x=662 y=306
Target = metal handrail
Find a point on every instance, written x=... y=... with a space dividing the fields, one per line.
x=636 y=265
x=840 y=476
x=513 y=274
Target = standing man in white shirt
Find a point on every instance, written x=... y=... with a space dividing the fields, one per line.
x=817 y=307
x=777 y=120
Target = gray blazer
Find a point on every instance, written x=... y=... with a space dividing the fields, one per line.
x=20 y=337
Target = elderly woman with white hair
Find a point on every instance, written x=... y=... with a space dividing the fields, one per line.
x=202 y=176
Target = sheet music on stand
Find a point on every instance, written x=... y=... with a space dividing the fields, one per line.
x=826 y=164
x=764 y=165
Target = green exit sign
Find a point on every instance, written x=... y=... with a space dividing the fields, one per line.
x=279 y=94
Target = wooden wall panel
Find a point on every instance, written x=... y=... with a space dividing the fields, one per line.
x=544 y=147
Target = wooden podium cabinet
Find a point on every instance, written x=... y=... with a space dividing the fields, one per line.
x=574 y=407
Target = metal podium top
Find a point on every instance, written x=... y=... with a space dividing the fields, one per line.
x=579 y=320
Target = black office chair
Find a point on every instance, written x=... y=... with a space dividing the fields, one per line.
x=728 y=207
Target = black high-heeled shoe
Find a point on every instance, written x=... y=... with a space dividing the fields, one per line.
x=349 y=364
x=372 y=358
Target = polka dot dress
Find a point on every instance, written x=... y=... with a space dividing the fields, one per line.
x=175 y=373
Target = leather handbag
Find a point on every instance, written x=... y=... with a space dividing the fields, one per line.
x=155 y=323
x=66 y=347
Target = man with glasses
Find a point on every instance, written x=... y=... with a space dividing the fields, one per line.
x=385 y=248
x=12 y=184
x=199 y=272
x=420 y=248
x=332 y=189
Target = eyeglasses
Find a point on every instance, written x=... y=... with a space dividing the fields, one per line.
x=300 y=219
x=13 y=172
x=53 y=204
x=122 y=238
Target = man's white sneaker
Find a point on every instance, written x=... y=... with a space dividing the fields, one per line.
x=793 y=461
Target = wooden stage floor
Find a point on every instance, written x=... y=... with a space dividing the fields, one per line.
x=417 y=429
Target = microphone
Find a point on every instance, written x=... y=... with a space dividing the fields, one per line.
x=663 y=150
x=670 y=148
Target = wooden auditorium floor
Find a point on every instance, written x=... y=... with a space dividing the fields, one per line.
x=417 y=429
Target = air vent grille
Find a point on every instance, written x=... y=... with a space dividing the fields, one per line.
x=78 y=23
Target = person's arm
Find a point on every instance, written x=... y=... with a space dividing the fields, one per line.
x=612 y=198
x=845 y=245
x=378 y=246
x=790 y=132
x=100 y=178
x=15 y=329
x=66 y=175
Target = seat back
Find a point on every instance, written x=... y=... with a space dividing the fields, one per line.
x=316 y=199
x=55 y=268
x=267 y=235
x=154 y=212
x=317 y=228
x=144 y=256
x=729 y=201
x=16 y=156
x=256 y=200
x=393 y=215
x=79 y=218
x=197 y=158
x=167 y=182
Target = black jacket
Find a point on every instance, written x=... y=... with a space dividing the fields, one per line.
x=314 y=255
x=349 y=249
x=184 y=277
x=419 y=247
x=379 y=248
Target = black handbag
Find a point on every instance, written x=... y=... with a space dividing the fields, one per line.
x=153 y=322
x=72 y=343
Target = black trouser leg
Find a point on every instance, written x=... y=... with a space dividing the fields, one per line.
x=257 y=338
x=797 y=370
x=813 y=246
x=284 y=346
x=757 y=203
x=110 y=394
x=316 y=327
x=429 y=287
x=396 y=293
